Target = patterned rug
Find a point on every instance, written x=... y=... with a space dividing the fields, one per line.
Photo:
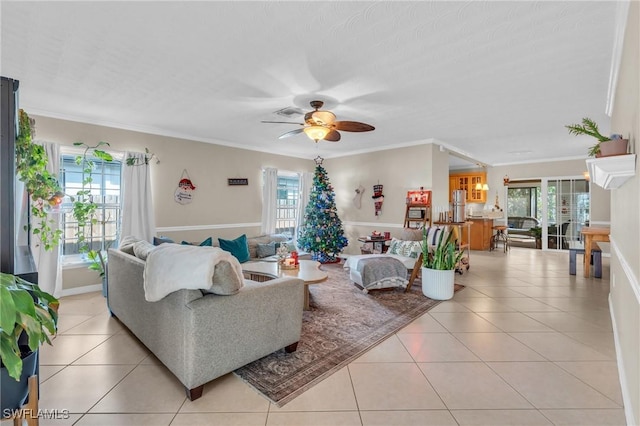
x=342 y=324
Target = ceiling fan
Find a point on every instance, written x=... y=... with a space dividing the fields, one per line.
x=322 y=125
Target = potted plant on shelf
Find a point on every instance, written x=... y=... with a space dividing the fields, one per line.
x=606 y=146
x=438 y=267
x=28 y=316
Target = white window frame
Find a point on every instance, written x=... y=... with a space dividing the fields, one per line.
x=287 y=208
x=77 y=259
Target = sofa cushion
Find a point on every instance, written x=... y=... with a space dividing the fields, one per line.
x=142 y=248
x=265 y=250
x=405 y=248
x=126 y=244
x=253 y=242
x=206 y=243
x=409 y=234
x=237 y=247
x=225 y=281
x=433 y=235
x=161 y=240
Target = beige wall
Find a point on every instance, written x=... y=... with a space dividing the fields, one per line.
x=216 y=207
x=399 y=170
x=625 y=225
x=600 y=199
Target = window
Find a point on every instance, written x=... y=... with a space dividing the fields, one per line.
x=524 y=201
x=287 y=198
x=105 y=190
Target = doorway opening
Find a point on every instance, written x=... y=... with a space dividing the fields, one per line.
x=547 y=213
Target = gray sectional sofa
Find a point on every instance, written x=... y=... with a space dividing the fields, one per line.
x=201 y=336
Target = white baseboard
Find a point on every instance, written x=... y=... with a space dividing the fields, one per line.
x=81 y=290
x=622 y=375
x=633 y=282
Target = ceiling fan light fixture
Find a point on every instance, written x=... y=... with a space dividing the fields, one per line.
x=316 y=133
x=323 y=118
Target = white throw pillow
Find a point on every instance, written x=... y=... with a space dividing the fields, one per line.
x=142 y=248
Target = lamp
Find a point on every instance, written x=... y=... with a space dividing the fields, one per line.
x=485 y=187
x=478 y=186
x=316 y=132
x=481 y=187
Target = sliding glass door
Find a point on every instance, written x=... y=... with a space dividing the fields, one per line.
x=559 y=205
x=567 y=211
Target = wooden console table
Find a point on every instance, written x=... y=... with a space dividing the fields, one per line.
x=592 y=234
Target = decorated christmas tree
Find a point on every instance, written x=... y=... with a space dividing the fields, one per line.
x=322 y=234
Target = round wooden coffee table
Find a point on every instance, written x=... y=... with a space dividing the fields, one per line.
x=308 y=271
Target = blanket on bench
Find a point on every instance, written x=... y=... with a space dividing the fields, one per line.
x=382 y=272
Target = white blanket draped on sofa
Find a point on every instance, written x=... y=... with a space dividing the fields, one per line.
x=173 y=267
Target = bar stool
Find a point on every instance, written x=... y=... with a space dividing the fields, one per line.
x=500 y=236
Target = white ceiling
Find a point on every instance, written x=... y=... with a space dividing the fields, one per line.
x=496 y=81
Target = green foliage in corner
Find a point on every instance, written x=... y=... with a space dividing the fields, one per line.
x=84 y=208
x=24 y=308
x=42 y=186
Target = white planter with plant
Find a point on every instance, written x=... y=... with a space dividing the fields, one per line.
x=439 y=267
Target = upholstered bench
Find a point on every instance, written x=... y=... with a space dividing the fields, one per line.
x=378 y=273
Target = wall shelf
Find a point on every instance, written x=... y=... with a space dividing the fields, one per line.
x=611 y=172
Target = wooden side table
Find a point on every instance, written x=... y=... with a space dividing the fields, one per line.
x=379 y=244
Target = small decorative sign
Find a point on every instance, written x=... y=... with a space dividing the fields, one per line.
x=237 y=181
x=185 y=189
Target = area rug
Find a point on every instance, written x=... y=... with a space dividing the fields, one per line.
x=342 y=324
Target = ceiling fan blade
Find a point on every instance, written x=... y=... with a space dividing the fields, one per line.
x=332 y=136
x=283 y=122
x=352 y=126
x=291 y=133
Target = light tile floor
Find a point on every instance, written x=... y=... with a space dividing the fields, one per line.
x=524 y=344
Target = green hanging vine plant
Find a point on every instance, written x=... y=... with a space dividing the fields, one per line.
x=83 y=205
x=42 y=186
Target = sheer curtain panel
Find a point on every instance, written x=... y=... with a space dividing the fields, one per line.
x=137 y=204
x=269 y=188
x=48 y=262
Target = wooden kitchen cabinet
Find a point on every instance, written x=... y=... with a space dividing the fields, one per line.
x=468 y=181
x=481 y=233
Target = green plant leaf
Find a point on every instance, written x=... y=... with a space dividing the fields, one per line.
x=10 y=358
x=7 y=310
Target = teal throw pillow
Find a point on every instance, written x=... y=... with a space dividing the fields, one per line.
x=237 y=247
x=206 y=243
x=161 y=240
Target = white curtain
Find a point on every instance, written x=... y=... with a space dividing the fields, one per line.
x=48 y=262
x=269 y=188
x=306 y=182
x=137 y=204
